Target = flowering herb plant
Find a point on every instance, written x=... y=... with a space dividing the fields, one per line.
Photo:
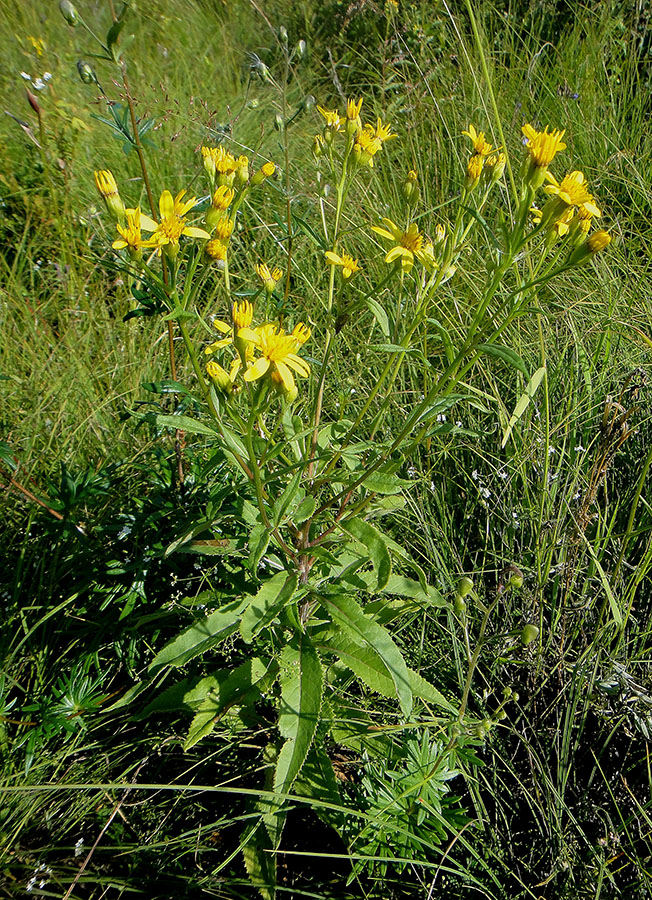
x=327 y=584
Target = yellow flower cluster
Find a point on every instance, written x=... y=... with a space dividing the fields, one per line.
x=571 y=207
x=266 y=351
x=363 y=141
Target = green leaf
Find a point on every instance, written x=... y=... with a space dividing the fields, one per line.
x=379 y=314
x=265 y=606
x=283 y=503
x=185 y=423
x=524 y=402
x=260 y=862
x=302 y=681
x=200 y=637
x=222 y=690
x=383 y=483
x=258 y=543
x=375 y=547
x=506 y=354
x=381 y=658
x=304 y=510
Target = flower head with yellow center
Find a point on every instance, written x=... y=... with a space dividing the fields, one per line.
x=348 y=265
x=278 y=355
x=481 y=147
x=221 y=165
x=243 y=314
x=268 y=277
x=572 y=191
x=474 y=169
x=130 y=233
x=369 y=141
x=172 y=224
x=353 y=120
x=332 y=118
x=406 y=244
x=542 y=147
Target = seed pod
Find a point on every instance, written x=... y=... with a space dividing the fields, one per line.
x=528 y=634
x=86 y=73
x=69 y=13
x=464 y=587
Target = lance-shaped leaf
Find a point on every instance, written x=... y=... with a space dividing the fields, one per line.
x=215 y=695
x=375 y=545
x=524 y=402
x=273 y=596
x=387 y=659
x=200 y=637
x=302 y=682
x=369 y=667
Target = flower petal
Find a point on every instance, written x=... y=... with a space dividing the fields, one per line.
x=191 y=231
x=248 y=334
x=258 y=369
x=298 y=364
x=166 y=205
x=146 y=223
x=286 y=376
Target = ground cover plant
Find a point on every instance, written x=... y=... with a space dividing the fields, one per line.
x=326 y=451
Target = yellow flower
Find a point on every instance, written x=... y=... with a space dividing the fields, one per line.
x=494 y=166
x=562 y=224
x=349 y=265
x=480 y=146
x=543 y=146
x=333 y=119
x=223 y=380
x=269 y=277
x=369 y=141
x=173 y=222
x=572 y=191
x=265 y=171
x=105 y=183
x=217 y=251
x=220 y=164
x=243 y=314
x=598 y=241
x=353 y=121
x=38 y=44
x=406 y=244
x=131 y=237
x=223 y=228
x=278 y=355
x=223 y=197
x=473 y=171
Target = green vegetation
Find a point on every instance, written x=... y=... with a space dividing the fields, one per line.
x=388 y=637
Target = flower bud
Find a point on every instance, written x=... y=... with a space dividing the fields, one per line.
x=411 y=188
x=459 y=607
x=265 y=171
x=86 y=73
x=301 y=48
x=308 y=103
x=529 y=633
x=106 y=185
x=283 y=34
x=69 y=12
x=242 y=171
x=595 y=243
x=279 y=124
x=515 y=578
x=219 y=376
x=33 y=102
